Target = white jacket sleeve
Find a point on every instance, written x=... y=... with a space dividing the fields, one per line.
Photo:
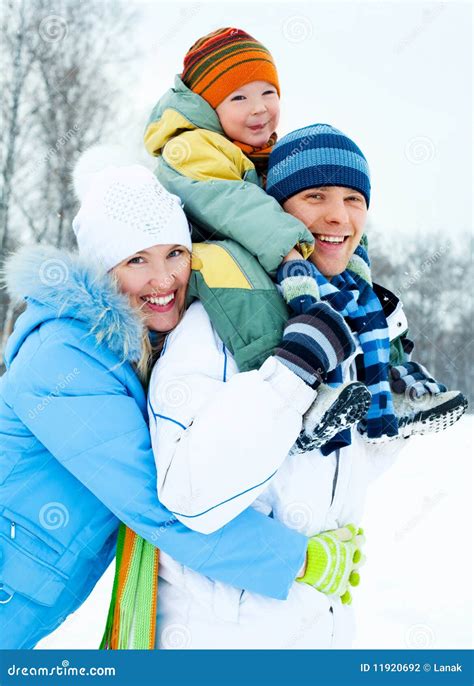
x=218 y=440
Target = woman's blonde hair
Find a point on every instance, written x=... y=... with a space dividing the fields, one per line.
x=149 y=354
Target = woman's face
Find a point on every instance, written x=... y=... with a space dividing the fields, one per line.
x=156 y=280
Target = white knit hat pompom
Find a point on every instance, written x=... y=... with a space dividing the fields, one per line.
x=124 y=209
x=95 y=159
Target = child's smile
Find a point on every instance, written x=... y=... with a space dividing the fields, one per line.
x=251 y=113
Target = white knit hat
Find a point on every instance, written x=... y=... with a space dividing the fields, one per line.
x=124 y=209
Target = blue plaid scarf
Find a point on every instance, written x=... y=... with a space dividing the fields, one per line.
x=351 y=294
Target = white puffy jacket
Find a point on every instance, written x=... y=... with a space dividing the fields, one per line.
x=222 y=441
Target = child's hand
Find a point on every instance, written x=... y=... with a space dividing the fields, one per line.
x=297 y=279
x=292 y=255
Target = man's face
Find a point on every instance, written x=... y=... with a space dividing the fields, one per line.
x=336 y=217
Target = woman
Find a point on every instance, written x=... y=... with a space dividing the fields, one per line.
x=76 y=455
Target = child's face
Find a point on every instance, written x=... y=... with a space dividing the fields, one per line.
x=251 y=113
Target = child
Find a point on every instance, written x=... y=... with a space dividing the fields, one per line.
x=213 y=134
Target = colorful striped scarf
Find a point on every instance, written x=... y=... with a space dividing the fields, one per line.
x=351 y=294
x=131 y=620
x=259 y=156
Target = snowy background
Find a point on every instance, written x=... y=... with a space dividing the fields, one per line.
x=396 y=77
x=416 y=587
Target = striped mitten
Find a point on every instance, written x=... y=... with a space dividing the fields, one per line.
x=297 y=280
x=413 y=380
x=314 y=343
x=332 y=560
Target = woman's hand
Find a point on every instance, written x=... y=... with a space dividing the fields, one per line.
x=333 y=558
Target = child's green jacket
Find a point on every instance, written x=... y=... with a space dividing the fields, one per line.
x=217 y=183
x=233 y=219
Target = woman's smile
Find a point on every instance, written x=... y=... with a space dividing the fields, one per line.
x=160 y=303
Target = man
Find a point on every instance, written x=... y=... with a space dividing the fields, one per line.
x=321 y=177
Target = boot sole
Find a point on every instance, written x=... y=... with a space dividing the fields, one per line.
x=435 y=419
x=350 y=407
x=428 y=421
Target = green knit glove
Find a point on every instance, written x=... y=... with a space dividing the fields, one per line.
x=332 y=560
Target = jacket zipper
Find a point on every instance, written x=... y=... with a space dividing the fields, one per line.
x=336 y=474
x=30 y=535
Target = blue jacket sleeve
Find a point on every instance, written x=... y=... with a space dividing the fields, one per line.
x=97 y=431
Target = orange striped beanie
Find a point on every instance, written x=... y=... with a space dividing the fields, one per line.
x=223 y=61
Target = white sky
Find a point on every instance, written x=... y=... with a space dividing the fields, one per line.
x=395 y=76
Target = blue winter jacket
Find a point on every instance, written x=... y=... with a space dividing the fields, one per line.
x=75 y=455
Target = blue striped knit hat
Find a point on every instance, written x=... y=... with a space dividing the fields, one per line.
x=317 y=155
